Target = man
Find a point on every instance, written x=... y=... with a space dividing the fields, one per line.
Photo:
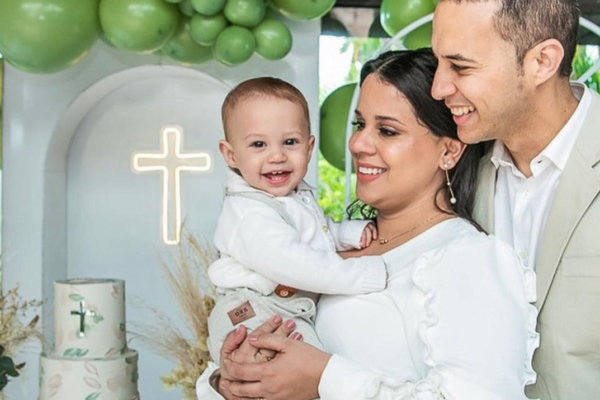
x=503 y=71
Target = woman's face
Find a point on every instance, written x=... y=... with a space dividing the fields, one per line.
x=397 y=159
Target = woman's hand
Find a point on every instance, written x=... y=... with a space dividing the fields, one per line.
x=294 y=374
x=237 y=347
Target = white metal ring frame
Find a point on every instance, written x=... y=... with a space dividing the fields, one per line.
x=395 y=41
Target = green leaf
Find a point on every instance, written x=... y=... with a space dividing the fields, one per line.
x=97 y=319
x=76 y=297
x=93 y=396
x=3 y=381
x=75 y=352
x=7 y=366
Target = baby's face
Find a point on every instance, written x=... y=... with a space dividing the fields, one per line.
x=269 y=144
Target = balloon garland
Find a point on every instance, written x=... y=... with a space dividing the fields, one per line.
x=47 y=36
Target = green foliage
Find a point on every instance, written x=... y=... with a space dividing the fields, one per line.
x=332 y=182
x=586 y=57
x=7 y=368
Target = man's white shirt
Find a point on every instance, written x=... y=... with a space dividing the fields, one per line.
x=521 y=205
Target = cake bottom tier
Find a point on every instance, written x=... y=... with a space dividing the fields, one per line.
x=113 y=378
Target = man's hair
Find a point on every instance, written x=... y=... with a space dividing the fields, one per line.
x=525 y=23
x=260 y=88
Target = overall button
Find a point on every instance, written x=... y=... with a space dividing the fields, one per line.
x=306 y=199
x=325 y=228
x=285 y=291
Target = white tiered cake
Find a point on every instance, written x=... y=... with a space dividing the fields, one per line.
x=90 y=360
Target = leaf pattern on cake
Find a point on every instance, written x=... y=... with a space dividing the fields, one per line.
x=76 y=297
x=93 y=383
x=116 y=382
x=54 y=384
x=91 y=368
x=111 y=352
x=75 y=352
x=92 y=396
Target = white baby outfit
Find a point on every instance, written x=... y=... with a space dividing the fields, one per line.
x=264 y=241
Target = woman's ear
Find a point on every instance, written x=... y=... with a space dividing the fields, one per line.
x=453 y=150
x=227 y=151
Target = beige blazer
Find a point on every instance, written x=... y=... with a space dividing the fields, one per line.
x=568 y=271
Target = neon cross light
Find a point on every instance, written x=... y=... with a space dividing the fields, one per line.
x=170 y=161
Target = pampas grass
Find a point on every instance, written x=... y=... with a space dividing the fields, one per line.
x=14 y=333
x=187 y=279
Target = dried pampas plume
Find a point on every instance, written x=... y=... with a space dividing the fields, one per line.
x=14 y=334
x=188 y=281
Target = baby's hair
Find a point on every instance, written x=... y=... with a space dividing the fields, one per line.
x=264 y=87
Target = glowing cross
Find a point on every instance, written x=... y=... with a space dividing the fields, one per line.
x=170 y=161
x=82 y=312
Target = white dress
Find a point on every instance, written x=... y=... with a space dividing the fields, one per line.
x=455 y=322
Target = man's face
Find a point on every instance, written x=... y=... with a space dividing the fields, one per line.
x=478 y=76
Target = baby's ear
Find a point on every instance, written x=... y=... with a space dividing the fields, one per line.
x=311 y=143
x=226 y=150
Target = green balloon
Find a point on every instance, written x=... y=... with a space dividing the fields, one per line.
x=246 y=13
x=397 y=14
x=273 y=39
x=234 y=45
x=334 y=117
x=302 y=10
x=138 y=25
x=46 y=36
x=187 y=8
x=333 y=27
x=204 y=30
x=208 y=7
x=376 y=30
x=419 y=38
x=184 y=49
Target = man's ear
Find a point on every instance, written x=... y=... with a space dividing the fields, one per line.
x=544 y=59
x=226 y=150
x=453 y=151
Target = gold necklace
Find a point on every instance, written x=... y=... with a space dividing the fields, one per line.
x=420 y=224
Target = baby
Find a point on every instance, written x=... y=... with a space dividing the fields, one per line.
x=277 y=249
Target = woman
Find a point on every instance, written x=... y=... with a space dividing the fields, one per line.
x=455 y=320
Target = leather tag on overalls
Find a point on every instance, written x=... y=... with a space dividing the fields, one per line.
x=285 y=291
x=241 y=313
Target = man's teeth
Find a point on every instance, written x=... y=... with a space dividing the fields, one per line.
x=371 y=171
x=458 y=111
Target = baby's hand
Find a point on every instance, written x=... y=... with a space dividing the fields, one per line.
x=369 y=234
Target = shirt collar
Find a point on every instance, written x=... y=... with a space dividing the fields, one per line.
x=559 y=149
x=237 y=184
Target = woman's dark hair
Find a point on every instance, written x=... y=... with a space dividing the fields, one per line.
x=411 y=72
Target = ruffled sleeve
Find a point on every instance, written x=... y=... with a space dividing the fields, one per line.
x=476 y=328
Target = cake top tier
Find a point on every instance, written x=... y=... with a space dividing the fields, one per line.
x=89 y=317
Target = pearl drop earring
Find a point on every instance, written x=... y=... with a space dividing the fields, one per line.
x=447 y=165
